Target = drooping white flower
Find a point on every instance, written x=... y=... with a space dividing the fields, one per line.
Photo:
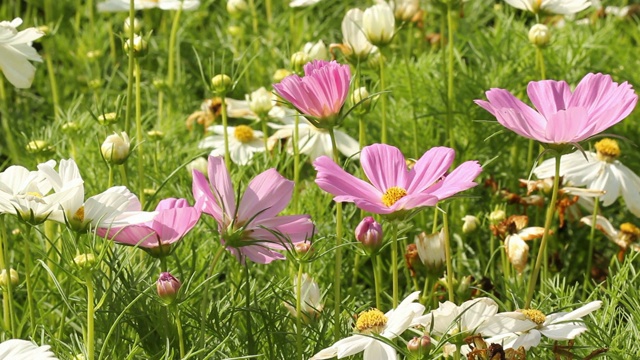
x=625 y=238
x=123 y=5
x=405 y=10
x=358 y=46
x=431 y=249
x=526 y=327
x=562 y=7
x=303 y=3
x=599 y=171
x=17 y=349
x=243 y=142
x=16 y=51
x=313 y=141
x=311 y=298
x=379 y=24
x=388 y=325
x=449 y=318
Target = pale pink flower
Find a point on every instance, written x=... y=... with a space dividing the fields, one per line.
x=562 y=116
x=393 y=186
x=173 y=219
x=251 y=228
x=320 y=93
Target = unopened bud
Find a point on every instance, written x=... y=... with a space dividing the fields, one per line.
x=167 y=287
x=235 y=8
x=539 y=35
x=84 y=261
x=470 y=224
x=13 y=277
x=302 y=248
x=316 y=51
x=419 y=345
x=115 y=149
x=40 y=147
x=517 y=252
x=137 y=26
x=298 y=60
x=235 y=31
x=70 y=127
x=221 y=83
x=139 y=46
x=108 y=118
x=360 y=99
x=375 y=60
x=155 y=135
x=464 y=287
x=497 y=215
x=199 y=164
x=369 y=234
x=261 y=102
x=280 y=74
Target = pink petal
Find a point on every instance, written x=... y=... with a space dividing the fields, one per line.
x=171 y=203
x=283 y=230
x=205 y=201
x=260 y=255
x=222 y=186
x=344 y=186
x=413 y=201
x=459 y=180
x=430 y=167
x=385 y=167
x=373 y=207
x=265 y=197
x=172 y=224
x=549 y=96
x=563 y=126
x=514 y=114
x=133 y=235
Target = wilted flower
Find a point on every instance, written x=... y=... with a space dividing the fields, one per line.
x=470 y=224
x=16 y=51
x=627 y=237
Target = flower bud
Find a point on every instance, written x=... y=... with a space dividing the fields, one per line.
x=137 y=26
x=302 y=248
x=84 y=261
x=280 y=74
x=235 y=31
x=155 y=135
x=316 y=51
x=517 y=252
x=470 y=224
x=139 y=46
x=431 y=250
x=298 y=60
x=358 y=95
x=40 y=147
x=539 y=35
x=108 y=118
x=375 y=60
x=199 y=164
x=221 y=83
x=378 y=24
x=419 y=345
x=94 y=54
x=70 y=127
x=369 y=233
x=261 y=102
x=405 y=10
x=497 y=215
x=167 y=287
x=115 y=149
x=235 y=8
x=13 y=277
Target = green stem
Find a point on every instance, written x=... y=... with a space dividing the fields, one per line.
x=407 y=55
x=338 y=255
x=394 y=261
x=450 y=62
x=376 y=279
x=205 y=296
x=254 y=17
x=299 y=311
x=225 y=124
x=592 y=241
x=172 y=45
x=383 y=101
x=180 y=333
x=265 y=136
x=296 y=161
x=54 y=85
x=545 y=238
x=7 y=291
x=4 y=112
x=27 y=274
x=127 y=118
x=362 y=136
x=123 y=175
x=267 y=5
x=251 y=347
x=447 y=254
x=89 y=342
x=139 y=146
x=540 y=61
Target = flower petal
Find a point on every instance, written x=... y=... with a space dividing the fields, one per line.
x=386 y=167
x=265 y=197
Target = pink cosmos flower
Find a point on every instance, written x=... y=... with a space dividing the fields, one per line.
x=251 y=228
x=562 y=116
x=393 y=187
x=320 y=93
x=173 y=220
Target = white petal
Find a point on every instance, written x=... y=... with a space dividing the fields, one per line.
x=504 y=323
x=528 y=340
x=16 y=349
x=579 y=312
x=566 y=331
x=379 y=351
x=16 y=67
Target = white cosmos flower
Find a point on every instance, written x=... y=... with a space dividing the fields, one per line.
x=25 y=194
x=526 y=327
x=379 y=24
x=449 y=318
x=354 y=37
x=562 y=7
x=116 y=206
x=625 y=238
x=599 y=171
x=17 y=349
x=311 y=299
x=313 y=141
x=16 y=51
x=303 y=3
x=243 y=142
x=316 y=51
x=123 y=5
x=373 y=322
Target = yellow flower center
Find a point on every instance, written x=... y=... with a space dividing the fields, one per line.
x=608 y=150
x=243 y=133
x=371 y=321
x=536 y=5
x=392 y=195
x=79 y=215
x=534 y=315
x=630 y=229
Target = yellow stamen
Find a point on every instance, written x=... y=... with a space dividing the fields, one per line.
x=534 y=315
x=371 y=321
x=630 y=229
x=608 y=150
x=392 y=195
x=243 y=133
x=79 y=215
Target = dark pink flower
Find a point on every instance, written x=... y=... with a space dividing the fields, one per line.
x=174 y=218
x=563 y=116
x=320 y=93
x=393 y=186
x=252 y=228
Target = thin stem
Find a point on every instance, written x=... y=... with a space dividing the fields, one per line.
x=540 y=61
x=4 y=112
x=299 y=311
x=27 y=274
x=407 y=55
x=362 y=135
x=267 y=5
x=265 y=136
x=247 y=295
x=139 y=146
x=592 y=241
x=180 y=333
x=547 y=227
x=127 y=118
x=450 y=62
x=225 y=124
x=296 y=161
x=172 y=45
x=205 y=295
x=7 y=290
x=89 y=342
x=53 y=84
x=383 y=102
x=254 y=17
x=394 y=261
x=447 y=254
x=376 y=279
x=338 y=255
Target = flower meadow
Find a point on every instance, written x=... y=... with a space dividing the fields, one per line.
x=319 y=179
